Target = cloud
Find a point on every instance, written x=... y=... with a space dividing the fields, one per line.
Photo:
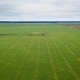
x=7 y=10
x=39 y=10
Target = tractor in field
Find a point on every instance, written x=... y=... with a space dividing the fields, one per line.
x=43 y=33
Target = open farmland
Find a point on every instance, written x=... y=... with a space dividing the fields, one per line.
x=53 y=56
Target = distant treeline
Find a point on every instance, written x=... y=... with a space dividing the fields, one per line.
x=39 y=21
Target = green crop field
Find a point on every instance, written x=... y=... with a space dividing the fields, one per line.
x=53 y=56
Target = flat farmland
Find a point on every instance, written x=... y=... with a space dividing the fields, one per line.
x=25 y=54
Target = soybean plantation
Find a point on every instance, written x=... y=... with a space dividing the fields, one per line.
x=26 y=54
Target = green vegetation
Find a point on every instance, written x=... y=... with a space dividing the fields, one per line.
x=74 y=25
x=53 y=56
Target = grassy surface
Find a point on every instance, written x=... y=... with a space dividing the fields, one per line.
x=54 y=56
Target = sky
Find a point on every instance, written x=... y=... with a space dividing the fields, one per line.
x=39 y=10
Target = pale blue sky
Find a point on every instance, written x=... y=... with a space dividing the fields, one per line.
x=40 y=10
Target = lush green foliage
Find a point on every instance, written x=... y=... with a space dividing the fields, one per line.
x=54 y=56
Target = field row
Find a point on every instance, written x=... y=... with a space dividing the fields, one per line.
x=39 y=58
x=54 y=56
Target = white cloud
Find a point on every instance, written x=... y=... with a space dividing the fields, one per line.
x=40 y=9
